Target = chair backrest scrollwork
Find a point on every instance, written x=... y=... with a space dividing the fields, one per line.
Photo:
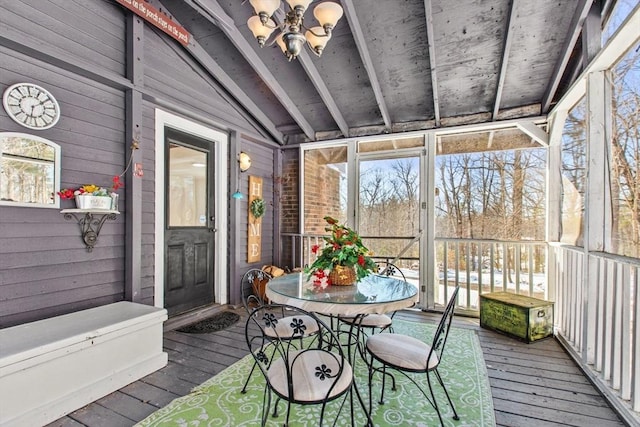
x=252 y=286
x=442 y=331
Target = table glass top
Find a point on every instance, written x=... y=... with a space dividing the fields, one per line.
x=372 y=289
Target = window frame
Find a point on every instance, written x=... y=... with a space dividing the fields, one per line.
x=56 y=170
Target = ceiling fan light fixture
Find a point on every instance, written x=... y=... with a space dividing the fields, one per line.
x=265 y=7
x=290 y=39
x=280 y=42
x=316 y=42
x=300 y=4
x=328 y=14
x=294 y=43
x=260 y=31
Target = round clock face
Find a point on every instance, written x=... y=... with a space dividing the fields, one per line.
x=31 y=106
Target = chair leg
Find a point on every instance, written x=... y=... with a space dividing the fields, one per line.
x=275 y=408
x=266 y=403
x=433 y=398
x=455 y=414
x=246 y=383
x=286 y=419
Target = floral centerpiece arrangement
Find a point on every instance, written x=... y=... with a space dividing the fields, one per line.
x=343 y=259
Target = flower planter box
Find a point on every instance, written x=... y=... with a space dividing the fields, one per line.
x=54 y=366
x=94 y=202
x=525 y=318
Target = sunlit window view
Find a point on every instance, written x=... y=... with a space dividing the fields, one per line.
x=490 y=213
x=625 y=155
x=574 y=180
x=389 y=211
x=27 y=170
x=620 y=12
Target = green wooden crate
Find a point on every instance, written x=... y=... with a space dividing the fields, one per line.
x=526 y=318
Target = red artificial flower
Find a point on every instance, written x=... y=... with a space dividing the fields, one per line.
x=314 y=249
x=361 y=260
x=66 y=194
x=116 y=183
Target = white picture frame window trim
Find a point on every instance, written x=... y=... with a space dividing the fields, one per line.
x=56 y=172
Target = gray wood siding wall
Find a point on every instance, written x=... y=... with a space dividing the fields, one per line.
x=45 y=269
x=262 y=159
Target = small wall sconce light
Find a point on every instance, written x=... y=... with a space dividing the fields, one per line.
x=245 y=161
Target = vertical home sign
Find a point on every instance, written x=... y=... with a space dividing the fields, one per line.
x=254 y=243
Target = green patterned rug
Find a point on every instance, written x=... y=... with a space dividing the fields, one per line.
x=218 y=401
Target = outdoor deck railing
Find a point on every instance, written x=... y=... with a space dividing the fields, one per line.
x=598 y=318
x=483 y=266
x=597 y=298
x=478 y=266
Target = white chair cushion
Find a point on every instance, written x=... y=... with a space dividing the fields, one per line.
x=284 y=330
x=401 y=350
x=307 y=386
x=371 y=321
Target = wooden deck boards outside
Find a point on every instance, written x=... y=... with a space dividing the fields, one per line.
x=532 y=384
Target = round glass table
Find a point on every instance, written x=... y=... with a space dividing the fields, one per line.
x=372 y=294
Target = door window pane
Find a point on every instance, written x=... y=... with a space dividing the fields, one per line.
x=187 y=187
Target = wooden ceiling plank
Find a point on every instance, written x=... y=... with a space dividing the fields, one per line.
x=574 y=32
x=318 y=82
x=212 y=10
x=358 y=36
x=432 y=61
x=506 y=49
x=311 y=70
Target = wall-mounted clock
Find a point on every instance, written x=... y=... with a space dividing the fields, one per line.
x=31 y=105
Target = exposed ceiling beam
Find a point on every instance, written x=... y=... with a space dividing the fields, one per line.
x=322 y=89
x=214 y=12
x=235 y=95
x=506 y=50
x=534 y=132
x=432 y=61
x=205 y=60
x=356 y=29
x=592 y=33
x=572 y=37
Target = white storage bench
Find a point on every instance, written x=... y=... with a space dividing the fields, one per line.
x=54 y=366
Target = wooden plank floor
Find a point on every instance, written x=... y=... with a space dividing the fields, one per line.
x=532 y=384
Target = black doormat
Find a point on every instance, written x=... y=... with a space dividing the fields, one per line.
x=217 y=322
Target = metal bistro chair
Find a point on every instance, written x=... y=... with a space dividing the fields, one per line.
x=253 y=285
x=373 y=322
x=314 y=372
x=406 y=355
